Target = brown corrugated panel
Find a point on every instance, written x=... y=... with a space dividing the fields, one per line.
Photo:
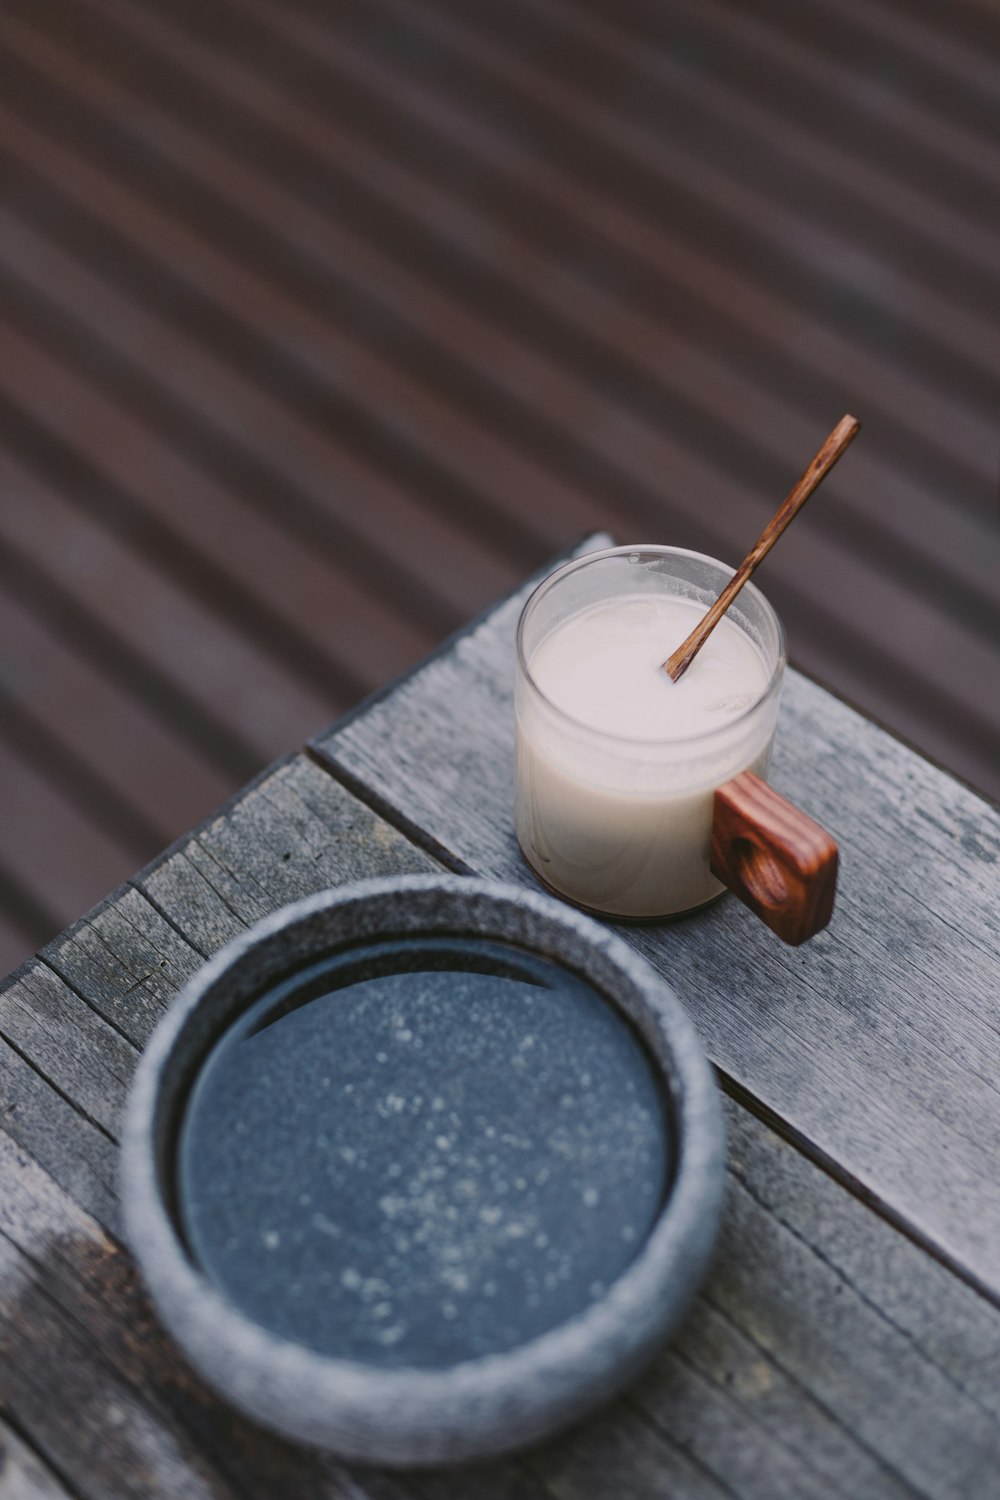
x=319 y=326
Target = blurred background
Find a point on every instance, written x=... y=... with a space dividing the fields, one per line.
x=322 y=324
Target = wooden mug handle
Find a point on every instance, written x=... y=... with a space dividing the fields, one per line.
x=775 y=859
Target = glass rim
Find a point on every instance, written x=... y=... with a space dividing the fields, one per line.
x=574 y=565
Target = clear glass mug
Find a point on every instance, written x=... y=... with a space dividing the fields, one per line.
x=645 y=829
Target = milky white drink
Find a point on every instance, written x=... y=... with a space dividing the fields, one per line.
x=617 y=765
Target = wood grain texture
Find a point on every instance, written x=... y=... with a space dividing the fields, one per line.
x=23 y=1475
x=877 y=1045
x=76 y=1321
x=76 y=1153
x=827 y=1356
x=289 y=834
x=88 y=1371
x=773 y=858
x=292 y=835
x=74 y=1049
x=791 y=1377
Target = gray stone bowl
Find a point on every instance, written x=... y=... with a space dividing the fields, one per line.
x=482 y=1406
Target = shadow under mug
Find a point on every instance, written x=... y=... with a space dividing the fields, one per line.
x=644 y=829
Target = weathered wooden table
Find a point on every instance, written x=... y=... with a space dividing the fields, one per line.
x=848 y=1340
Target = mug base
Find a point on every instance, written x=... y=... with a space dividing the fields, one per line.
x=603 y=913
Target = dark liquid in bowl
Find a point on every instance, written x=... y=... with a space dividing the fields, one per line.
x=422 y=1151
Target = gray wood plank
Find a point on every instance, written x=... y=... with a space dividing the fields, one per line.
x=87 y=1369
x=39 y=1015
x=295 y=833
x=23 y=1475
x=82 y=1345
x=77 y=1153
x=129 y=1454
x=128 y=961
x=865 y=1336
x=789 y=1379
x=877 y=1045
x=828 y=1355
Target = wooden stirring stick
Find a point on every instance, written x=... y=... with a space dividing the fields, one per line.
x=845 y=431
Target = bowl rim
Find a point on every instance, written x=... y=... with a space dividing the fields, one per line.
x=479 y=1406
